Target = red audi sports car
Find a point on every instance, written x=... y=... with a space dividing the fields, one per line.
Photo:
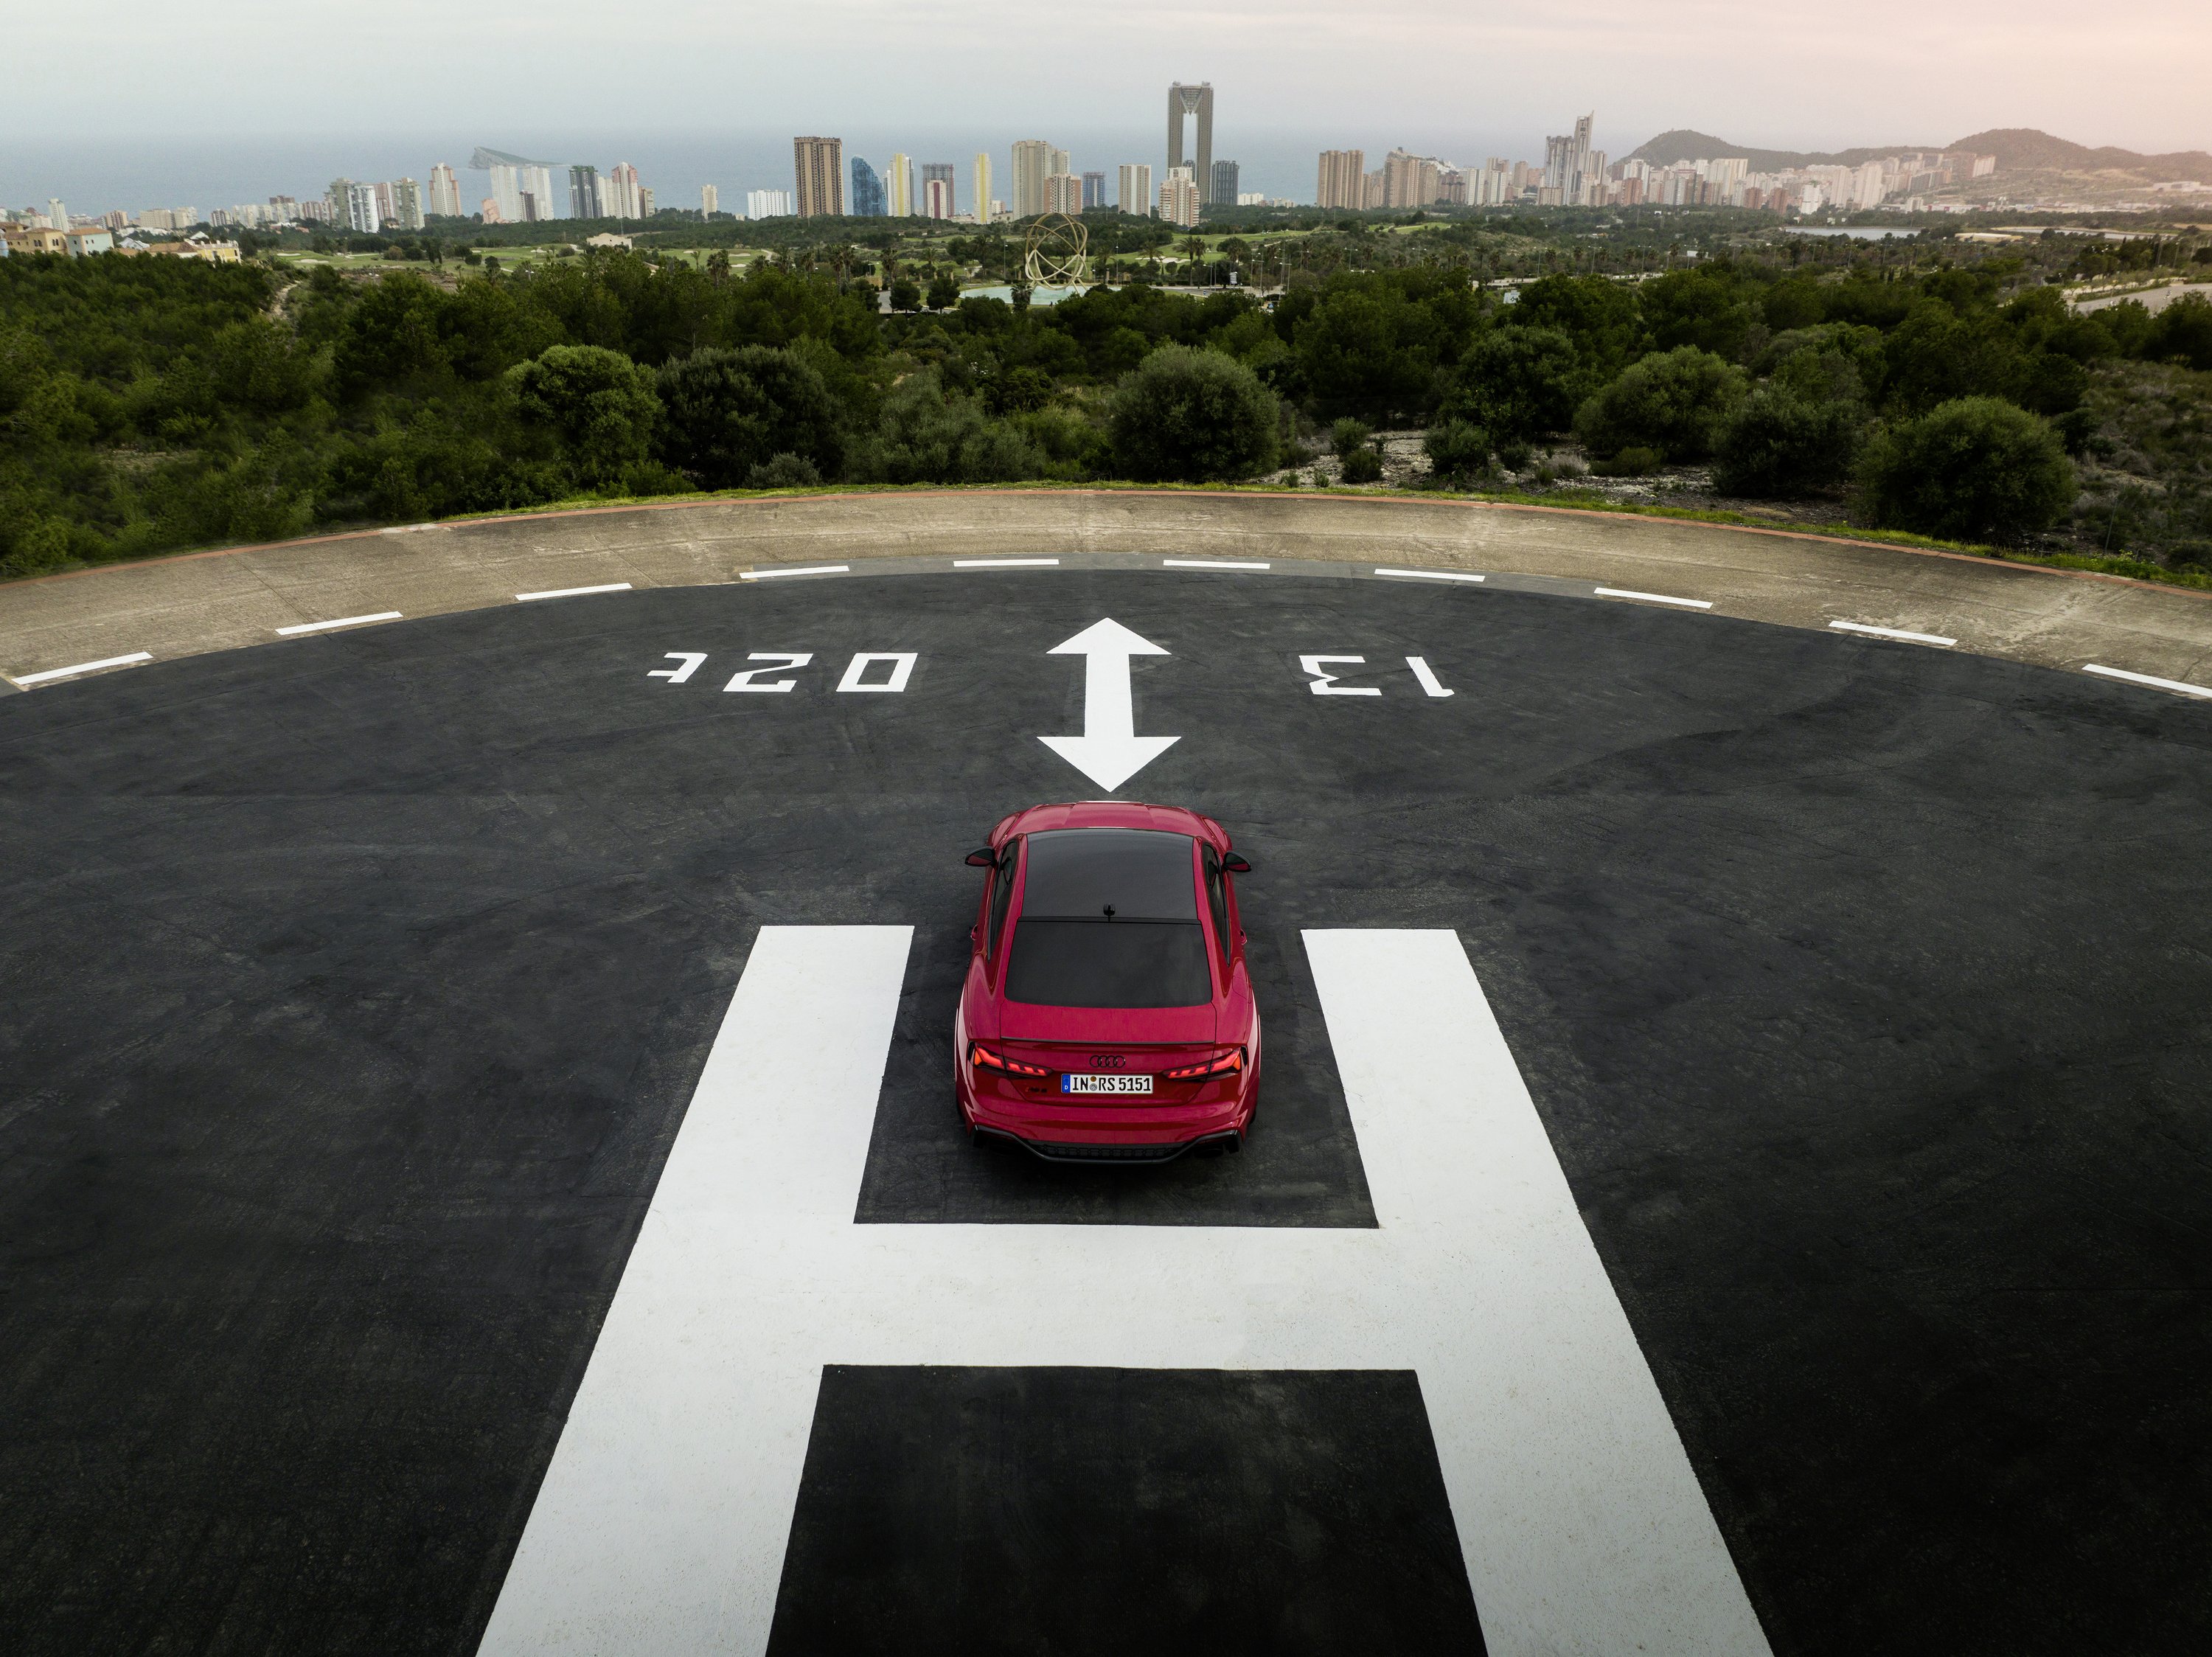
x=1108 y=1016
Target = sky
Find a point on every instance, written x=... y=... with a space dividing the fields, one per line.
x=133 y=87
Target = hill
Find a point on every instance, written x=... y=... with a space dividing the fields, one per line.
x=2018 y=149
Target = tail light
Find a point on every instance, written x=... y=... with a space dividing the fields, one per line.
x=984 y=1059
x=1223 y=1064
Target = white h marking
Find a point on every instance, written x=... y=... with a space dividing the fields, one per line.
x=662 y=1522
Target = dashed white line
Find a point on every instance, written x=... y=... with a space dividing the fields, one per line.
x=1429 y=575
x=796 y=569
x=1652 y=598
x=1003 y=564
x=573 y=592
x=1211 y=563
x=2183 y=688
x=1891 y=632
x=134 y=657
x=342 y=621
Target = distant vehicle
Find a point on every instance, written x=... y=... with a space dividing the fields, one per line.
x=1108 y=1015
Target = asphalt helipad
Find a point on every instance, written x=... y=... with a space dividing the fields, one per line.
x=477 y=1154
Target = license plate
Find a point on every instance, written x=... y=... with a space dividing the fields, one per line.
x=1105 y=1084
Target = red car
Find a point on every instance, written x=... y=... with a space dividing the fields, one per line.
x=1108 y=1015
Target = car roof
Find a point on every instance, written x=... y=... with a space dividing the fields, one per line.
x=1111 y=814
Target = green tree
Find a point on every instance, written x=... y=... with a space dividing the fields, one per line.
x=1601 y=318
x=1457 y=450
x=1676 y=403
x=1706 y=306
x=1518 y=383
x=597 y=405
x=726 y=413
x=1781 y=443
x=1976 y=468
x=1192 y=416
x=944 y=292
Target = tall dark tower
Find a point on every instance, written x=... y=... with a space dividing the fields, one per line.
x=1183 y=100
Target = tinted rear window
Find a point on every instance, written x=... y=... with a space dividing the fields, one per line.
x=1103 y=963
x=1144 y=874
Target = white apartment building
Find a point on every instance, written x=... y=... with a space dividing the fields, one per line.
x=768 y=205
x=1179 y=196
x=1134 y=193
x=445 y=199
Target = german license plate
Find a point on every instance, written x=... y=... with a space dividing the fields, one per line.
x=1105 y=1084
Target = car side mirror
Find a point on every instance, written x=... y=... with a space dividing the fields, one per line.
x=1233 y=864
x=982 y=857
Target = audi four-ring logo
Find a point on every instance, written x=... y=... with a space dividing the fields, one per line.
x=1110 y=1061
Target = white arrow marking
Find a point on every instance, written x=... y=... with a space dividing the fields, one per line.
x=1110 y=752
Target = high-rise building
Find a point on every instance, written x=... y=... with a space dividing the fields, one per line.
x=710 y=201
x=1179 y=196
x=767 y=203
x=1135 y=194
x=1342 y=180
x=1411 y=180
x=820 y=165
x=444 y=192
x=937 y=190
x=282 y=210
x=1224 y=192
x=583 y=191
x=385 y=215
x=867 y=190
x=898 y=187
x=340 y=196
x=1033 y=165
x=361 y=210
x=983 y=186
x=57 y=214
x=645 y=201
x=406 y=204
x=1094 y=190
x=537 y=182
x=1567 y=157
x=1063 y=193
x=1184 y=102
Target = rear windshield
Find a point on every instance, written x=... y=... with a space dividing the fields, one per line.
x=1110 y=918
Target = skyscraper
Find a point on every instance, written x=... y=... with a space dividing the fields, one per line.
x=983 y=186
x=1343 y=179
x=538 y=201
x=583 y=192
x=1184 y=102
x=710 y=201
x=898 y=188
x=1094 y=190
x=619 y=193
x=820 y=164
x=1179 y=196
x=938 y=194
x=1033 y=165
x=1063 y=193
x=361 y=210
x=867 y=190
x=340 y=197
x=406 y=204
x=1224 y=193
x=57 y=214
x=1566 y=158
x=445 y=192
x=1135 y=194
x=767 y=203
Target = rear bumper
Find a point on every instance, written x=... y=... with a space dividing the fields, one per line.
x=1229 y=1139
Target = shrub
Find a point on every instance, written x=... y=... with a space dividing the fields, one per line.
x=2182 y=333
x=1782 y=444
x=1193 y=414
x=1976 y=468
x=1457 y=449
x=727 y=413
x=785 y=470
x=1628 y=463
x=1677 y=402
x=1363 y=466
x=1347 y=435
x=598 y=403
x=1517 y=383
